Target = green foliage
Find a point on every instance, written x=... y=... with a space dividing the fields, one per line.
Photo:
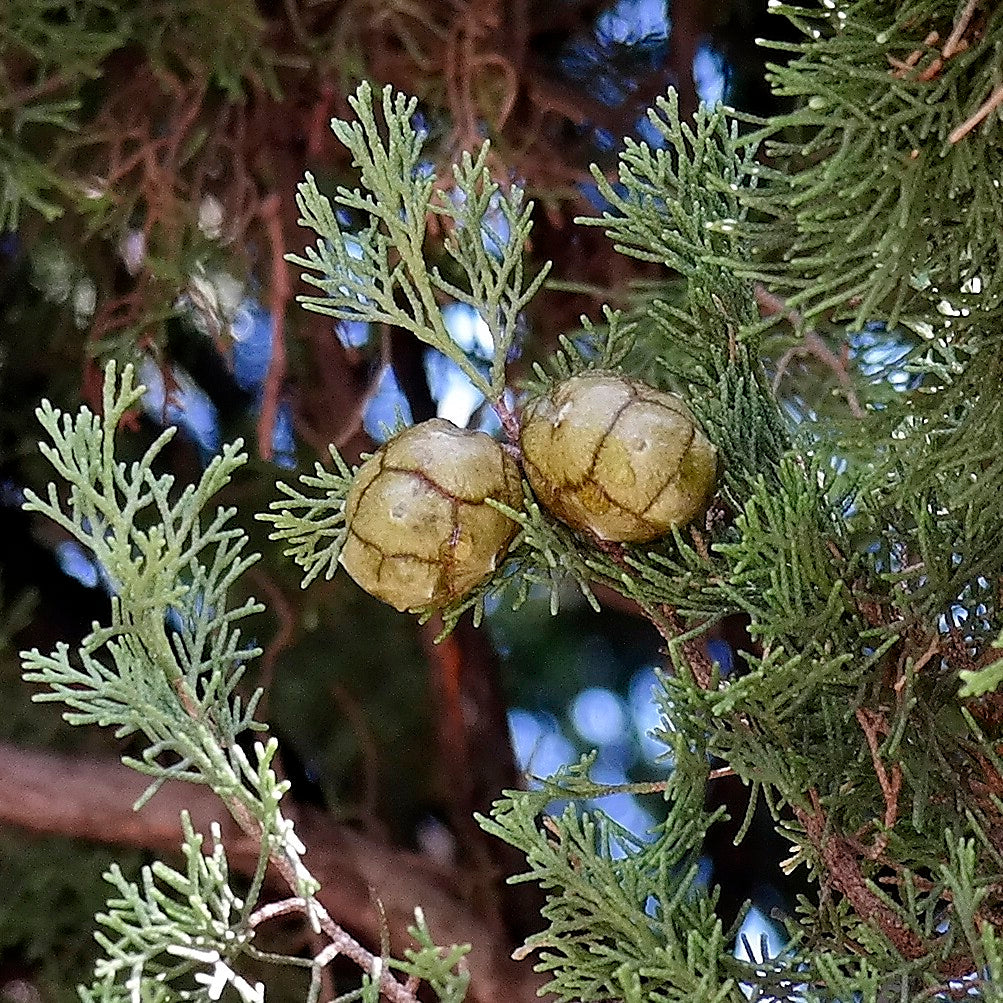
x=628 y=919
x=140 y=928
x=429 y=963
x=168 y=667
x=792 y=551
x=375 y=271
x=864 y=563
x=65 y=47
x=316 y=536
x=680 y=204
x=978 y=682
x=877 y=205
x=599 y=347
x=171 y=576
x=29 y=29
x=714 y=323
x=817 y=561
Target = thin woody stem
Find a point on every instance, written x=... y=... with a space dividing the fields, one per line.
x=339 y=938
x=991 y=104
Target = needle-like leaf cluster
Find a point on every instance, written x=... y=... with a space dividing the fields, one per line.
x=167 y=668
x=376 y=271
x=881 y=199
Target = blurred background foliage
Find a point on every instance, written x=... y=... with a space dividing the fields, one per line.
x=149 y=154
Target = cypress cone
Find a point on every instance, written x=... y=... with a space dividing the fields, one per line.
x=617 y=458
x=420 y=532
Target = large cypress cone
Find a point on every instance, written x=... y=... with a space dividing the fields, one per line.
x=617 y=458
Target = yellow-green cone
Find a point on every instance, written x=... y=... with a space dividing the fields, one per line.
x=617 y=458
x=420 y=532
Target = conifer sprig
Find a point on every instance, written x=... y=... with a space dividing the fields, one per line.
x=313 y=526
x=597 y=347
x=376 y=271
x=866 y=204
x=680 y=204
x=169 y=662
x=167 y=667
x=140 y=929
x=663 y=210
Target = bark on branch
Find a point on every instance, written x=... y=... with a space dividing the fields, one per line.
x=91 y=798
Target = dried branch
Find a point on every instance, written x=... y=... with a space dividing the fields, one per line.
x=872 y=725
x=990 y=105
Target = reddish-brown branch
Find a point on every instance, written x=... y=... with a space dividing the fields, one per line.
x=509 y=422
x=841 y=870
x=695 y=650
x=873 y=724
x=904 y=66
x=690 y=24
x=666 y=620
x=279 y=293
x=330 y=406
x=476 y=763
x=954 y=40
x=95 y=803
x=319 y=129
x=990 y=105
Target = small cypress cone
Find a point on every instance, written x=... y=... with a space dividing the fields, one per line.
x=617 y=458
x=420 y=532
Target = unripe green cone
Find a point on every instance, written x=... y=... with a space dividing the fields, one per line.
x=420 y=532
x=617 y=458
